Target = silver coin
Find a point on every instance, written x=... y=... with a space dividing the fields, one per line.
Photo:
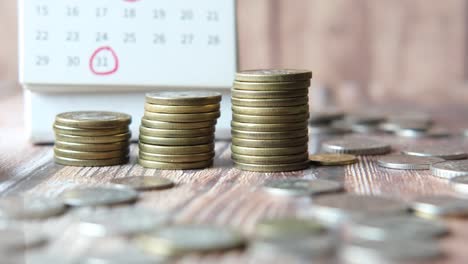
x=99 y=196
x=431 y=133
x=365 y=128
x=440 y=151
x=440 y=206
x=301 y=187
x=364 y=118
x=450 y=169
x=144 y=183
x=325 y=116
x=383 y=252
x=395 y=228
x=460 y=184
x=356 y=146
x=22 y=207
x=124 y=221
x=327 y=130
x=292 y=228
x=393 y=127
x=407 y=162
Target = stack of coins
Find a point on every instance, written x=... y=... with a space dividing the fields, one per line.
x=269 y=120
x=177 y=130
x=92 y=138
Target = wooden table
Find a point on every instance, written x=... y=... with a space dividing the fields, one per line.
x=219 y=195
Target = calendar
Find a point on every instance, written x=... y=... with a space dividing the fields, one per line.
x=105 y=54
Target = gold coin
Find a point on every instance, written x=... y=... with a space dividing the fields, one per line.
x=176 y=150
x=270 y=143
x=176 y=158
x=270 y=102
x=92 y=140
x=333 y=159
x=93 y=119
x=90 y=163
x=270 y=119
x=172 y=133
x=144 y=183
x=89 y=132
x=269 y=135
x=273 y=75
x=271 y=111
x=269 y=127
x=175 y=166
x=270 y=160
x=174 y=125
x=177 y=141
x=271 y=86
x=185 y=98
x=268 y=94
x=272 y=168
x=86 y=155
x=180 y=109
x=183 y=118
x=268 y=151
x=92 y=147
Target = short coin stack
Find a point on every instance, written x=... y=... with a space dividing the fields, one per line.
x=269 y=121
x=92 y=138
x=177 y=130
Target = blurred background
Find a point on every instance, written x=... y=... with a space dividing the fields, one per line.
x=362 y=50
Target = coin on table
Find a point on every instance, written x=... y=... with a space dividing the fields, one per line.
x=330 y=159
x=93 y=119
x=176 y=150
x=72 y=154
x=440 y=206
x=18 y=239
x=125 y=221
x=302 y=187
x=90 y=163
x=183 y=239
x=273 y=75
x=327 y=130
x=268 y=127
x=326 y=116
x=404 y=228
x=99 y=196
x=407 y=162
x=268 y=111
x=270 y=102
x=181 y=109
x=273 y=143
x=89 y=132
x=271 y=86
x=171 y=158
x=394 y=126
x=269 y=119
x=269 y=94
x=177 y=141
x=287 y=228
x=272 y=168
x=172 y=133
x=122 y=145
x=94 y=140
x=430 y=133
x=447 y=152
x=364 y=118
x=356 y=146
x=176 y=125
x=183 y=98
x=450 y=169
x=182 y=118
x=28 y=208
x=175 y=166
x=269 y=135
x=144 y=183
x=269 y=151
x=265 y=160
x=460 y=184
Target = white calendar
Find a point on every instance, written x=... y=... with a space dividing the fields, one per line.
x=103 y=48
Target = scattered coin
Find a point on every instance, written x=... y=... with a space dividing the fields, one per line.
x=176 y=150
x=364 y=118
x=172 y=133
x=330 y=159
x=171 y=158
x=325 y=117
x=268 y=111
x=269 y=119
x=99 y=196
x=181 y=109
x=267 y=160
x=268 y=135
x=176 y=141
x=271 y=86
x=123 y=145
x=144 y=183
x=440 y=151
x=356 y=146
x=29 y=208
x=460 y=184
x=440 y=206
x=407 y=162
x=90 y=163
x=175 y=166
x=87 y=155
x=93 y=140
x=270 y=102
x=183 y=239
x=268 y=127
x=182 y=118
x=183 y=98
x=269 y=151
x=16 y=239
x=450 y=169
x=281 y=75
x=302 y=187
x=327 y=130
x=272 y=168
x=176 y=125
x=393 y=127
x=272 y=143
x=431 y=133
x=287 y=228
x=93 y=119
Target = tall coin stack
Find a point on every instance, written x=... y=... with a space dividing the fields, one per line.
x=92 y=138
x=177 y=130
x=269 y=120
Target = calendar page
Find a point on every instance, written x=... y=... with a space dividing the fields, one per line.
x=170 y=43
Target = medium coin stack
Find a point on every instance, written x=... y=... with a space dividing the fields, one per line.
x=177 y=130
x=92 y=138
x=269 y=120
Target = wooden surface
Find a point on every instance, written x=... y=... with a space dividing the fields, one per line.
x=219 y=195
